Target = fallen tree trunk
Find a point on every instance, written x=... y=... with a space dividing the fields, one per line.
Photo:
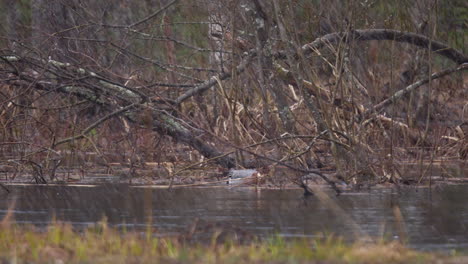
x=131 y=104
x=69 y=79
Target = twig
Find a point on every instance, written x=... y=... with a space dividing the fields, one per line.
x=4 y=188
x=245 y=147
x=403 y=92
x=154 y=14
x=94 y=125
x=213 y=80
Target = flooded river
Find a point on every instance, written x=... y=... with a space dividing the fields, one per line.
x=426 y=218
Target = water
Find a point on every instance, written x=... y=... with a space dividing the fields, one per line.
x=426 y=218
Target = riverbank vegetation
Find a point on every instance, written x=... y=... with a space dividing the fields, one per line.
x=60 y=243
x=352 y=90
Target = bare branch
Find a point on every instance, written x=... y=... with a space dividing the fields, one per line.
x=94 y=125
x=402 y=93
x=384 y=34
x=154 y=14
x=213 y=80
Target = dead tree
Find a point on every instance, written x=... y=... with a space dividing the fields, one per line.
x=27 y=69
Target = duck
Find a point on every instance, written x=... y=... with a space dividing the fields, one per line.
x=242 y=176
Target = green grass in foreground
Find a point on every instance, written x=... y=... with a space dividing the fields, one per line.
x=102 y=244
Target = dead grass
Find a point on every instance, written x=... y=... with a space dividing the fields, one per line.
x=59 y=243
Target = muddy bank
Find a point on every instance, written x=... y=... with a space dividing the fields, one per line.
x=170 y=174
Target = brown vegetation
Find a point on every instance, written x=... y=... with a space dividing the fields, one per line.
x=354 y=88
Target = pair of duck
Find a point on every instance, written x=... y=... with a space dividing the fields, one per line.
x=243 y=176
x=254 y=177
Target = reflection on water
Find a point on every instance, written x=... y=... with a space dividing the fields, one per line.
x=435 y=218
